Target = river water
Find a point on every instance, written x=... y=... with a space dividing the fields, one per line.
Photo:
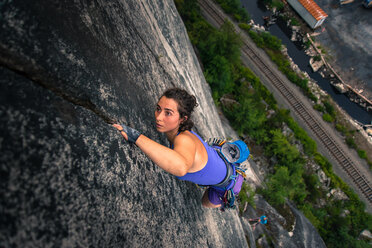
x=257 y=10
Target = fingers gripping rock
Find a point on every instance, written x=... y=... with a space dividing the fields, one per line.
x=132 y=133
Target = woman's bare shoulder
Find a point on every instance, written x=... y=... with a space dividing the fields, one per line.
x=185 y=137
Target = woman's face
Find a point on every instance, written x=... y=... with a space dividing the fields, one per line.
x=166 y=115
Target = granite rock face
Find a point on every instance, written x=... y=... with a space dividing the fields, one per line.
x=68 y=179
x=291 y=230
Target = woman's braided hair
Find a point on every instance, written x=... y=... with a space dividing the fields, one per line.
x=186 y=104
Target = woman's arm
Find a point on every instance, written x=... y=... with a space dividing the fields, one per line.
x=176 y=162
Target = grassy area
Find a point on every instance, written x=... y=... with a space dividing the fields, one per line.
x=338 y=222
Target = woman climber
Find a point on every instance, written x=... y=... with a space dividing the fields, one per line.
x=189 y=157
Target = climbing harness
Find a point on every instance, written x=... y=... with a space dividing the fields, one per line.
x=233 y=154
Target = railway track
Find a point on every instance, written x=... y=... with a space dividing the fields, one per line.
x=301 y=110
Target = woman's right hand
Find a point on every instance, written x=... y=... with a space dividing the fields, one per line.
x=121 y=130
x=129 y=134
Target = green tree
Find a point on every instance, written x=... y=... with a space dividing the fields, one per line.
x=279 y=146
x=218 y=74
x=276 y=192
x=248 y=114
x=284 y=185
x=229 y=43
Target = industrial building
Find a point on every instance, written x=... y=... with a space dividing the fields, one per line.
x=309 y=11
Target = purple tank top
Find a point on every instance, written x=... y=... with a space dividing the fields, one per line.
x=213 y=172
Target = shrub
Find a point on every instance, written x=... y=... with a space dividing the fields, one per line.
x=308 y=212
x=350 y=142
x=317 y=58
x=323 y=162
x=279 y=5
x=319 y=107
x=246 y=195
x=309 y=144
x=271 y=41
x=256 y=38
x=233 y=7
x=302 y=82
x=295 y=22
x=246 y=74
x=341 y=129
x=362 y=154
x=237 y=17
x=329 y=108
x=312 y=184
x=327 y=117
x=312 y=96
x=245 y=26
